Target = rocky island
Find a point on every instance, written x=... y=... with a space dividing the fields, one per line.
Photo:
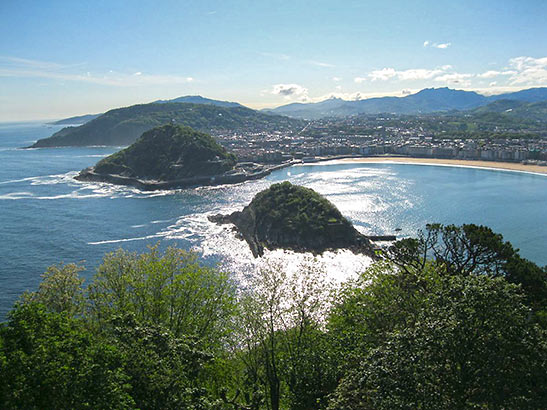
x=172 y=156
x=293 y=217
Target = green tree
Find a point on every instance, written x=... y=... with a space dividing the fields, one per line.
x=49 y=360
x=472 y=250
x=172 y=290
x=60 y=290
x=282 y=337
x=471 y=346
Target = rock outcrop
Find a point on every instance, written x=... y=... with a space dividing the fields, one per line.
x=292 y=217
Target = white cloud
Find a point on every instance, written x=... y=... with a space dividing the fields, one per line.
x=455 y=78
x=418 y=74
x=442 y=46
x=493 y=73
x=529 y=71
x=493 y=83
x=23 y=68
x=359 y=80
x=320 y=64
x=290 y=91
x=383 y=74
x=336 y=79
x=405 y=75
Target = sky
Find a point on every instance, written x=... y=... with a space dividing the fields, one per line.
x=64 y=58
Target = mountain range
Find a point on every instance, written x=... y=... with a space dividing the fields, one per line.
x=425 y=101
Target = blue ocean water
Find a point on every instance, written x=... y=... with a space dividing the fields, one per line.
x=47 y=217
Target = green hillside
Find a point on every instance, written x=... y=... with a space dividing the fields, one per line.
x=169 y=152
x=122 y=126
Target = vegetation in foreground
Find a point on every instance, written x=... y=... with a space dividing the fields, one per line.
x=454 y=319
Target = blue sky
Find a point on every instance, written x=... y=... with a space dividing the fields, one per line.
x=62 y=58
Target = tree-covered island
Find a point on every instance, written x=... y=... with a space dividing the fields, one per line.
x=293 y=217
x=172 y=156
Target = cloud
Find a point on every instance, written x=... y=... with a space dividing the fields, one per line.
x=442 y=46
x=290 y=91
x=321 y=64
x=383 y=74
x=359 y=80
x=336 y=79
x=493 y=73
x=493 y=83
x=406 y=92
x=455 y=78
x=405 y=75
x=529 y=71
x=277 y=56
x=23 y=68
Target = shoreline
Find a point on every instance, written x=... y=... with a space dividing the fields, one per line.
x=89 y=174
x=505 y=166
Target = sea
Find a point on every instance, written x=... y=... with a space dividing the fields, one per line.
x=47 y=217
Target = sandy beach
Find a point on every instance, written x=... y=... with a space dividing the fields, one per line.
x=450 y=162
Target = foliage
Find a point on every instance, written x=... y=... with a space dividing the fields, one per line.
x=471 y=345
x=283 y=342
x=60 y=290
x=453 y=319
x=472 y=250
x=172 y=290
x=169 y=152
x=49 y=360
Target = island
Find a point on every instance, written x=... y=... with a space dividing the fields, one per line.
x=173 y=156
x=287 y=216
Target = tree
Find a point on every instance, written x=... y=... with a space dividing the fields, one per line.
x=49 y=360
x=472 y=250
x=60 y=290
x=172 y=290
x=471 y=346
x=283 y=341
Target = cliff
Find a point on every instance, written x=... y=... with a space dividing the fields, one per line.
x=292 y=217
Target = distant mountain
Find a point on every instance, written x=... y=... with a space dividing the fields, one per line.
x=122 y=126
x=79 y=120
x=198 y=99
x=425 y=101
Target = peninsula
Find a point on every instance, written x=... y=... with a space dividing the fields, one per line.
x=293 y=217
x=172 y=156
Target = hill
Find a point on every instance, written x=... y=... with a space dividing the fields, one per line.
x=513 y=110
x=425 y=101
x=78 y=120
x=169 y=152
x=198 y=99
x=122 y=126
x=293 y=217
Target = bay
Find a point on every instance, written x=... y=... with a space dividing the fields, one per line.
x=47 y=217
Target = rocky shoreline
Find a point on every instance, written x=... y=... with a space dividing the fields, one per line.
x=271 y=221
x=241 y=173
